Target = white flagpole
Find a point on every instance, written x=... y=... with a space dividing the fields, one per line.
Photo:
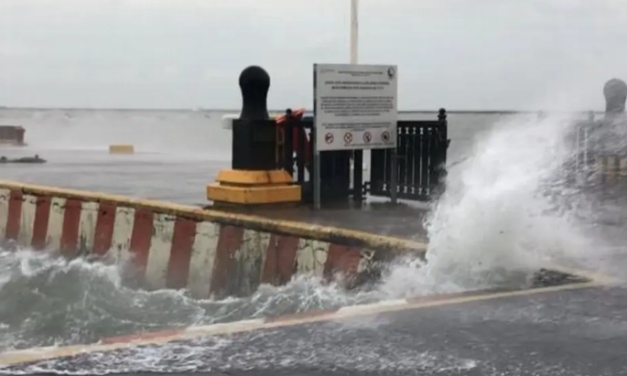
x=354 y=30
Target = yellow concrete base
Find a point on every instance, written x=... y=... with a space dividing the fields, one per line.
x=253 y=187
x=245 y=177
x=253 y=195
x=121 y=149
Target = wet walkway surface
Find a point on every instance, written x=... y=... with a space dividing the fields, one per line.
x=404 y=220
x=577 y=332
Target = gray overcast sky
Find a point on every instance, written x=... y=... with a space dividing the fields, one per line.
x=461 y=54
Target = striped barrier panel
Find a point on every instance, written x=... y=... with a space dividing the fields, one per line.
x=211 y=253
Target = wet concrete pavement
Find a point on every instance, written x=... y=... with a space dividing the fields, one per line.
x=577 y=332
x=404 y=220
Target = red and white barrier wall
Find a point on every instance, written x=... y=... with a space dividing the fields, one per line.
x=212 y=253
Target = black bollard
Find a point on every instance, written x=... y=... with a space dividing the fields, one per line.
x=254 y=83
x=615 y=92
x=256 y=175
x=254 y=144
x=605 y=138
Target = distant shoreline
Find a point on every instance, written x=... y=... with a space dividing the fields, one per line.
x=459 y=112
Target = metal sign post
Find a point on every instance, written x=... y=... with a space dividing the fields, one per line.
x=354 y=30
x=354 y=38
x=394 y=177
x=355 y=108
x=314 y=138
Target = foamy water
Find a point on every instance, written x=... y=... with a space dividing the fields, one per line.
x=45 y=301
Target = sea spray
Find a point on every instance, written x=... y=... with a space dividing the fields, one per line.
x=501 y=217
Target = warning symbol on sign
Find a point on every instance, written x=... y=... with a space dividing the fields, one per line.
x=385 y=136
x=328 y=138
x=348 y=138
x=367 y=137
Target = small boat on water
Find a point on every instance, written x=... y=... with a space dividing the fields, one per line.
x=12 y=135
x=31 y=160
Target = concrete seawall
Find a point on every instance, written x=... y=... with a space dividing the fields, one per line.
x=212 y=253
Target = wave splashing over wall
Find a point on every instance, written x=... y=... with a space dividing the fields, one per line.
x=508 y=209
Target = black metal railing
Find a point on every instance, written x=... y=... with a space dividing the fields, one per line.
x=599 y=164
x=420 y=161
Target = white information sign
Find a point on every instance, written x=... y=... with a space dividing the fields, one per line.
x=355 y=106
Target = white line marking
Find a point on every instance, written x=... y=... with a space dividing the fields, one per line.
x=374 y=307
x=224 y=328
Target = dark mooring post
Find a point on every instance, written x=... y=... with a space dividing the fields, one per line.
x=254 y=83
x=254 y=137
x=615 y=92
x=255 y=176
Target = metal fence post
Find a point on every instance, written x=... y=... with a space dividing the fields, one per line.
x=394 y=177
